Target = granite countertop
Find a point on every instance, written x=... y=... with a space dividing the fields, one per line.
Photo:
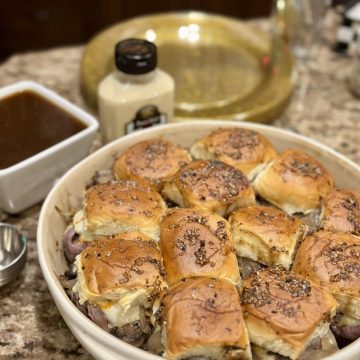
x=31 y=326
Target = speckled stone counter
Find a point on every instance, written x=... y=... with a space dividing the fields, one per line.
x=30 y=325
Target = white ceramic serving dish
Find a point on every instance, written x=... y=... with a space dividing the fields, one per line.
x=28 y=182
x=68 y=193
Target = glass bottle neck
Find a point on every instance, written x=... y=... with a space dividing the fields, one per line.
x=139 y=79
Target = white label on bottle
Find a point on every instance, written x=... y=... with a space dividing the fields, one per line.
x=145 y=117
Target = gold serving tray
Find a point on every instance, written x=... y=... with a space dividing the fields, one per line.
x=223 y=68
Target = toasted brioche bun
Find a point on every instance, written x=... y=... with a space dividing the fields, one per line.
x=118 y=207
x=119 y=274
x=266 y=235
x=285 y=312
x=244 y=149
x=151 y=162
x=332 y=260
x=203 y=317
x=341 y=212
x=210 y=185
x=197 y=243
x=294 y=182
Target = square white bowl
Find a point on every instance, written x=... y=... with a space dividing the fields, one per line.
x=28 y=182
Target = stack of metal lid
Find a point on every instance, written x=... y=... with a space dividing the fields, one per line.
x=12 y=253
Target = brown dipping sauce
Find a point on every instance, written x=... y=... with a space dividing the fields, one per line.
x=29 y=124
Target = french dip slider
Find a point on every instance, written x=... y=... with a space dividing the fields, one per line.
x=118 y=207
x=151 y=162
x=332 y=260
x=294 y=182
x=120 y=274
x=210 y=185
x=202 y=318
x=341 y=212
x=284 y=312
x=244 y=149
x=266 y=235
x=197 y=243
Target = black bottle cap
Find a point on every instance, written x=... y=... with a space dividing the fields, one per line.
x=135 y=56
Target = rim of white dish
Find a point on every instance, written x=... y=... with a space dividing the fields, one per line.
x=90 y=328
x=59 y=101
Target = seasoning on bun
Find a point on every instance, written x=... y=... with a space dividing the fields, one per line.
x=266 y=235
x=210 y=185
x=120 y=274
x=284 y=312
x=244 y=149
x=341 y=212
x=151 y=162
x=197 y=243
x=117 y=207
x=294 y=182
x=203 y=318
x=332 y=260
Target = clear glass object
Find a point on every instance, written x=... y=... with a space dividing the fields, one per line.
x=223 y=68
x=300 y=24
x=307 y=27
x=303 y=20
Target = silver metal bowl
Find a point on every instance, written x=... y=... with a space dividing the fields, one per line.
x=12 y=253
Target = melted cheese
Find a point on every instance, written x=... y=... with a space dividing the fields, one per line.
x=348 y=320
x=80 y=226
x=126 y=310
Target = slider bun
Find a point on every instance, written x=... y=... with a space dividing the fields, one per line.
x=285 y=312
x=122 y=206
x=119 y=274
x=266 y=235
x=197 y=243
x=341 y=212
x=244 y=149
x=210 y=185
x=123 y=262
x=203 y=317
x=294 y=182
x=151 y=162
x=332 y=260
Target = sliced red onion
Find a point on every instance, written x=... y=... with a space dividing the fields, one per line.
x=72 y=245
x=350 y=332
x=97 y=316
x=130 y=333
x=74 y=297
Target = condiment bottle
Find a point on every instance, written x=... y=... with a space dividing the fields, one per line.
x=137 y=95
